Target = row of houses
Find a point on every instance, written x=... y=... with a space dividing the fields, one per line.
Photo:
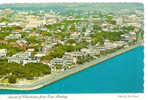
x=22 y=58
x=9 y=24
x=129 y=36
x=13 y=36
x=64 y=61
x=71 y=57
x=110 y=45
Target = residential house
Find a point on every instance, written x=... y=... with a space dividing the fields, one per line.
x=77 y=54
x=55 y=61
x=17 y=31
x=119 y=43
x=4 y=41
x=75 y=36
x=22 y=58
x=3 y=52
x=132 y=35
x=108 y=44
x=13 y=24
x=91 y=51
x=30 y=50
x=30 y=61
x=39 y=55
x=13 y=36
x=101 y=48
x=67 y=60
x=3 y=24
x=21 y=42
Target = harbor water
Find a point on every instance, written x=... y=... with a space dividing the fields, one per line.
x=121 y=74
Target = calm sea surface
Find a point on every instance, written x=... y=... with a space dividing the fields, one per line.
x=121 y=74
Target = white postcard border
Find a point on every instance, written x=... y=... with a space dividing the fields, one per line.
x=125 y=96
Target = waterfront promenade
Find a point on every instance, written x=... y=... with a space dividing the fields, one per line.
x=54 y=77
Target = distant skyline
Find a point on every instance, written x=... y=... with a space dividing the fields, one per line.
x=45 y=1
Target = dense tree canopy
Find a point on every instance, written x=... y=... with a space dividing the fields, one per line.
x=28 y=71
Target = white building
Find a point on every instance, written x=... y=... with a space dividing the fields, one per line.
x=101 y=48
x=13 y=24
x=22 y=58
x=3 y=52
x=67 y=60
x=64 y=61
x=3 y=24
x=21 y=42
x=119 y=43
x=108 y=44
x=75 y=36
x=30 y=50
x=91 y=51
x=23 y=55
x=55 y=61
x=119 y=21
x=13 y=36
x=30 y=61
x=40 y=55
x=14 y=59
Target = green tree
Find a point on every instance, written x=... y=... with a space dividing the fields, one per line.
x=12 y=79
x=58 y=66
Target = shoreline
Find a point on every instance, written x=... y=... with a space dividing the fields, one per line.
x=49 y=79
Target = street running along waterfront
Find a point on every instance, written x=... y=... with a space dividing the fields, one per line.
x=55 y=77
